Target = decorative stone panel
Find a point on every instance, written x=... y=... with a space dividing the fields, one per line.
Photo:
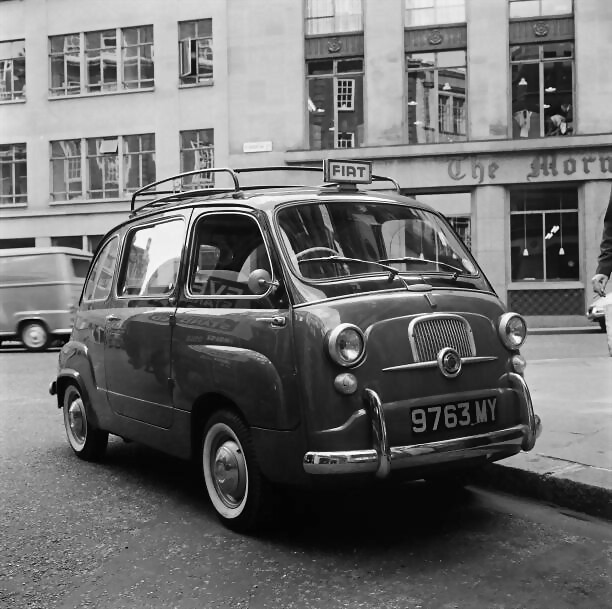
x=547 y=302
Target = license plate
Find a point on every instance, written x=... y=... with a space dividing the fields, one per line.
x=429 y=419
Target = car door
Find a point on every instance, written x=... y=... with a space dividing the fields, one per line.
x=230 y=340
x=138 y=327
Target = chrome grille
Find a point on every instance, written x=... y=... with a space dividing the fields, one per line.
x=431 y=333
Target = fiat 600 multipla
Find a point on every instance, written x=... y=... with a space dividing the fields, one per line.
x=289 y=335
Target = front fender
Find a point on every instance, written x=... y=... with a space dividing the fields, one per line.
x=245 y=377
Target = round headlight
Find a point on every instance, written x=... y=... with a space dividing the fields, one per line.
x=346 y=345
x=512 y=330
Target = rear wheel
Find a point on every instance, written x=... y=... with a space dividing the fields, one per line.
x=34 y=336
x=238 y=491
x=86 y=441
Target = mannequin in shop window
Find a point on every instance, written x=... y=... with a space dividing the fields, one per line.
x=560 y=123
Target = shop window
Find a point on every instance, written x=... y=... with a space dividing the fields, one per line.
x=433 y=12
x=437 y=97
x=97 y=62
x=542 y=89
x=12 y=70
x=13 y=175
x=197 y=152
x=195 y=52
x=335 y=103
x=539 y=8
x=101 y=168
x=333 y=16
x=544 y=235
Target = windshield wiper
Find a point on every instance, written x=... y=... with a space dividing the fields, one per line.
x=456 y=270
x=393 y=272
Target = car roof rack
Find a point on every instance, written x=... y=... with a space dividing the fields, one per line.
x=175 y=194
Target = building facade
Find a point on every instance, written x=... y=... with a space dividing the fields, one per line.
x=496 y=112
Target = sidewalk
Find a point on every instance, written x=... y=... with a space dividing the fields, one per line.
x=571 y=464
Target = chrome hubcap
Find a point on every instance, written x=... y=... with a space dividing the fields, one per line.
x=34 y=336
x=77 y=421
x=229 y=471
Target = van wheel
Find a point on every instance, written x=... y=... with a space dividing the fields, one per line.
x=34 y=336
x=238 y=491
x=86 y=441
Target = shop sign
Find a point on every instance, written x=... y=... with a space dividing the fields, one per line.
x=591 y=165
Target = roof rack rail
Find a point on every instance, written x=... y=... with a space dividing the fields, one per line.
x=174 y=194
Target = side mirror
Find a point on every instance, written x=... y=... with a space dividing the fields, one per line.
x=259 y=281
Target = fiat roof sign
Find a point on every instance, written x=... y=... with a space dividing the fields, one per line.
x=353 y=172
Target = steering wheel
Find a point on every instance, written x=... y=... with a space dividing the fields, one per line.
x=319 y=249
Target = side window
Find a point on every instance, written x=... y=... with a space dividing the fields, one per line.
x=98 y=285
x=79 y=266
x=228 y=247
x=151 y=260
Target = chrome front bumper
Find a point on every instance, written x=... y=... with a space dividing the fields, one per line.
x=382 y=458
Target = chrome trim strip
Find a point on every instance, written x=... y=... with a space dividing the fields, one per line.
x=464 y=360
x=367 y=461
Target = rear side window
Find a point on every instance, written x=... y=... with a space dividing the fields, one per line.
x=151 y=260
x=28 y=269
x=80 y=266
x=98 y=285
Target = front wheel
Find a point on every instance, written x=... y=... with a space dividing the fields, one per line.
x=34 y=336
x=86 y=441
x=236 y=487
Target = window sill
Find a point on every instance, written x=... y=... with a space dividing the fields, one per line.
x=13 y=205
x=102 y=93
x=21 y=100
x=89 y=201
x=539 y=284
x=205 y=83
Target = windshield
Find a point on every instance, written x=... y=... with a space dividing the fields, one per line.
x=339 y=239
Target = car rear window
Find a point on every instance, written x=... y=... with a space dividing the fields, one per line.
x=80 y=266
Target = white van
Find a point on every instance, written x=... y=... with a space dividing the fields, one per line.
x=39 y=291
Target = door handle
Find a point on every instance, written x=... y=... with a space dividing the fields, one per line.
x=112 y=317
x=278 y=321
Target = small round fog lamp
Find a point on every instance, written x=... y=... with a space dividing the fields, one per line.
x=519 y=364
x=345 y=383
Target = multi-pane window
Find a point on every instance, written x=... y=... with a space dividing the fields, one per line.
x=437 y=97
x=333 y=16
x=195 y=51
x=544 y=234
x=434 y=12
x=335 y=103
x=542 y=89
x=101 y=168
x=107 y=60
x=197 y=152
x=539 y=8
x=12 y=70
x=13 y=174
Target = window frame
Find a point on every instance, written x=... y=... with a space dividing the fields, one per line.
x=86 y=157
x=124 y=260
x=116 y=57
x=336 y=76
x=189 y=45
x=114 y=238
x=542 y=62
x=13 y=162
x=312 y=17
x=198 y=180
x=8 y=72
x=439 y=92
x=436 y=9
x=193 y=257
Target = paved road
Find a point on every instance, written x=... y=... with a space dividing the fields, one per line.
x=136 y=532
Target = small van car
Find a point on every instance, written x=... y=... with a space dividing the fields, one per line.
x=39 y=292
x=304 y=335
